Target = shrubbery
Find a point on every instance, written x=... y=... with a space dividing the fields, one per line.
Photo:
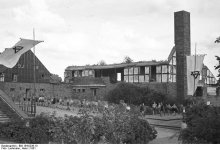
x=133 y=94
x=114 y=125
x=203 y=125
x=17 y=131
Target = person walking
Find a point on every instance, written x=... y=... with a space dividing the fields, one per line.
x=154 y=107
x=174 y=109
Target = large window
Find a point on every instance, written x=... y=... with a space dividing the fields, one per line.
x=172 y=69
x=136 y=74
x=162 y=73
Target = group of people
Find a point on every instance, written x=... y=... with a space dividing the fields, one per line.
x=163 y=109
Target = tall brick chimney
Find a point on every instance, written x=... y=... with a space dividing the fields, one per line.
x=183 y=49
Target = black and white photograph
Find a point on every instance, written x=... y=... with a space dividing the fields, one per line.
x=109 y=72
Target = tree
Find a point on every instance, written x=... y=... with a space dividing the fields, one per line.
x=102 y=63
x=217 y=67
x=217 y=40
x=127 y=59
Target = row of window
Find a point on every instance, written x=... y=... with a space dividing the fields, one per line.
x=162 y=73
x=146 y=78
x=13 y=89
x=79 y=90
x=146 y=70
x=83 y=73
x=94 y=91
x=14 y=77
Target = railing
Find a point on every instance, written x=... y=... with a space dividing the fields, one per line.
x=12 y=105
x=29 y=107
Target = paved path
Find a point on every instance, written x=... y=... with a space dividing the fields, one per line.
x=166 y=136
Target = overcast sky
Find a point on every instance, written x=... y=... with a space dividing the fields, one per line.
x=80 y=32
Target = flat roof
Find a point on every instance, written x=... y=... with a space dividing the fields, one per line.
x=121 y=65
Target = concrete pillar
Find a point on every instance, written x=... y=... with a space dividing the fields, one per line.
x=182 y=46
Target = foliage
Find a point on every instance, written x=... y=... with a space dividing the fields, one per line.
x=127 y=60
x=102 y=63
x=203 y=125
x=17 y=131
x=217 y=40
x=133 y=94
x=121 y=126
x=114 y=125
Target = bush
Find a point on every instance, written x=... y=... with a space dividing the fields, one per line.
x=133 y=94
x=17 y=131
x=119 y=126
x=203 y=125
x=113 y=125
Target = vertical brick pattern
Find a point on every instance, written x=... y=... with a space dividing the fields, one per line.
x=182 y=45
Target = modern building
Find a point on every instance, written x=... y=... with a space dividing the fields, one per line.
x=168 y=76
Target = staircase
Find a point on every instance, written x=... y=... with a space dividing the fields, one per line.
x=3 y=117
x=9 y=110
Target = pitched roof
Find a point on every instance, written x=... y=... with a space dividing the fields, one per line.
x=2 y=68
x=171 y=54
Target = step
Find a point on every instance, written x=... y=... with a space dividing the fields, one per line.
x=4 y=120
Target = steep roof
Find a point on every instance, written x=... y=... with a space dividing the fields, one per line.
x=171 y=54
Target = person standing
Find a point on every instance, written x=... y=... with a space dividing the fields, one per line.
x=154 y=107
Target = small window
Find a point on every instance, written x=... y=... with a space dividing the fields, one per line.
x=42 y=90
x=2 y=77
x=12 y=89
x=14 y=77
x=74 y=90
x=78 y=90
x=42 y=76
x=94 y=92
x=83 y=90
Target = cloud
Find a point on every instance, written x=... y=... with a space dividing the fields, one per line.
x=79 y=32
x=37 y=14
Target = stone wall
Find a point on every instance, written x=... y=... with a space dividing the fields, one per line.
x=166 y=88
x=20 y=90
x=87 y=92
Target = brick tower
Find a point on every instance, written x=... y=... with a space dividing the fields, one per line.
x=182 y=46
